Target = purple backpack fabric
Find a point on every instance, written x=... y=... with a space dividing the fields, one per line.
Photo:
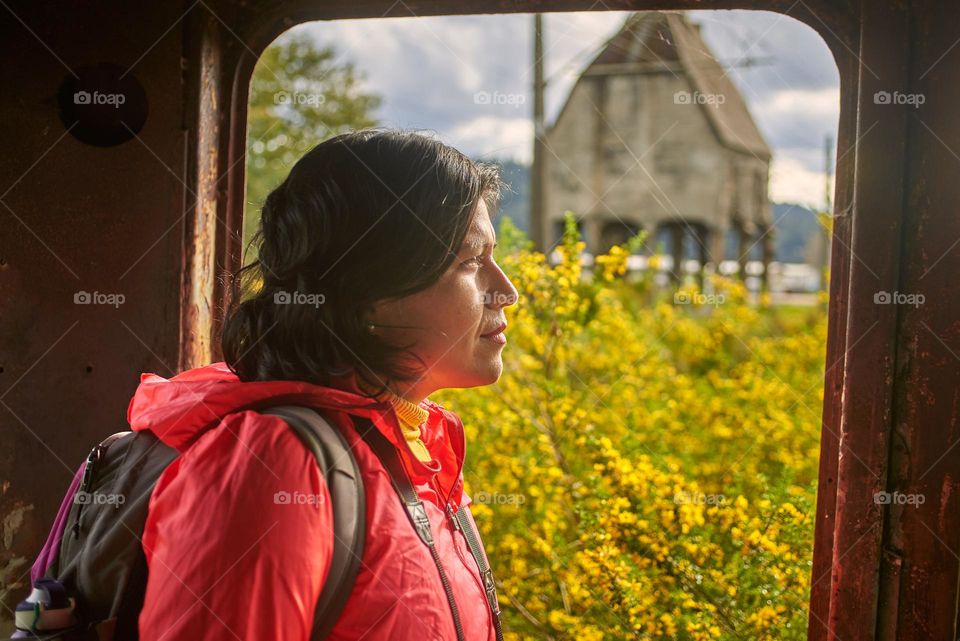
x=52 y=547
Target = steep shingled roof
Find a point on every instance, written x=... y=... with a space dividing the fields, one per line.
x=667 y=42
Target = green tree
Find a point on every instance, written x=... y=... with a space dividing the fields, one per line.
x=300 y=95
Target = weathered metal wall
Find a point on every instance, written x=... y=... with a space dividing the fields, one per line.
x=154 y=219
x=77 y=218
x=920 y=362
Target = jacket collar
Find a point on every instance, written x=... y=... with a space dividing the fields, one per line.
x=179 y=409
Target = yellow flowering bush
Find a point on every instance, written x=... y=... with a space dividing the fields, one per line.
x=646 y=466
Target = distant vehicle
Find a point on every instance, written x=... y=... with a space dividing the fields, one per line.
x=793 y=277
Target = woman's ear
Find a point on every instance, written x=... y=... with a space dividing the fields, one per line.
x=368 y=317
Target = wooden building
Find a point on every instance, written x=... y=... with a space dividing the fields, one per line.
x=654 y=135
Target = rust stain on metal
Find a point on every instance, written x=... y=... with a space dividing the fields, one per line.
x=12 y=522
x=12 y=578
x=200 y=263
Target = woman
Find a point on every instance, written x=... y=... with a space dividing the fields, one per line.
x=374 y=286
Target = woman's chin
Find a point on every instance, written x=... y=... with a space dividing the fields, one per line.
x=492 y=372
x=485 y=374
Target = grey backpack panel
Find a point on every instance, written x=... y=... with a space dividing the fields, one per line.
x=101 y=559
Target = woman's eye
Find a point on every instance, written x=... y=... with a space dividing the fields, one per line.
x=476 y=260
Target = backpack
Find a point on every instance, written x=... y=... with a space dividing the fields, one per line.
x=94 y=585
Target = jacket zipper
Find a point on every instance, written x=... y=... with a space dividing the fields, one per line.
x=484 y=581
x=422 y=525
x=451 y=516
x=455 y=527
x=486 y=572
x=449 y=590
x=390 y=459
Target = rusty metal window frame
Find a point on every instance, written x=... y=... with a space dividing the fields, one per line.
x=848 y=534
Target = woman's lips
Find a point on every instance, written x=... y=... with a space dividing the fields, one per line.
x=497 y=336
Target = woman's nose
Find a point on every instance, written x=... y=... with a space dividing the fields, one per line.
x=504 y=293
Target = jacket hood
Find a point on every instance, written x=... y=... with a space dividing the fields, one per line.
x=180 y=409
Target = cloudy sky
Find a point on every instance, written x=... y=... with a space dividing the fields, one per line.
x=429 y=71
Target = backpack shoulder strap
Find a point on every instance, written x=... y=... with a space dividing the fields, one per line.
x=464 y=519
x=340 y=469
x=390 y=459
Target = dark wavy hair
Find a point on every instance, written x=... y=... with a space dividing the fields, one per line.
x=365 y=216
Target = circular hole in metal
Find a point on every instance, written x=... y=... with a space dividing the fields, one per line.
x=103 y=105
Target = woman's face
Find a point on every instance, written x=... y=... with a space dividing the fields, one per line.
x=449 y=320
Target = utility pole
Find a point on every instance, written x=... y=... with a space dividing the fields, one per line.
x=828 y=171
x=824 y=235
x=537 y=224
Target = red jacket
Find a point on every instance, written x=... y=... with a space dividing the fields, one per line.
x=227 y=561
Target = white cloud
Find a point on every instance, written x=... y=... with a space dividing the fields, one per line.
x=793 y=118
x=494 y=137
x=792 y=182
x=821 y=103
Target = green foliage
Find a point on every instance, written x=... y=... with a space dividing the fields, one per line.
x=300 y=95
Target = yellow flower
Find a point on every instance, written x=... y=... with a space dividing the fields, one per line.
x=651 y=449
